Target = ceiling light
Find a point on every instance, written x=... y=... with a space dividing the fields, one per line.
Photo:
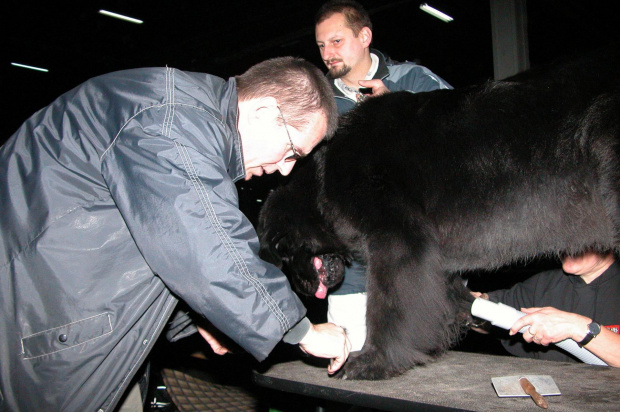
x=29 y=67
x=120 y=16
x=436 y=13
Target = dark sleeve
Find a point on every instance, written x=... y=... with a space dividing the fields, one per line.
x=297 y=332
x=528 y=293
x=180 y=324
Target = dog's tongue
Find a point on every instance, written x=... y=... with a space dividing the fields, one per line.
x=321 y=292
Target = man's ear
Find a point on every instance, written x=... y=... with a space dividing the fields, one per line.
x=365 y=36
x=264 y=108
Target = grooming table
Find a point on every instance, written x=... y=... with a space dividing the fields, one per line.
x=457 y=381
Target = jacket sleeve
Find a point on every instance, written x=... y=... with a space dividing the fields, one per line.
x=414 y=78
x=523 y=294
x=181 y=207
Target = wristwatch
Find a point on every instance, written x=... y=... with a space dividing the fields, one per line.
x=593 y=330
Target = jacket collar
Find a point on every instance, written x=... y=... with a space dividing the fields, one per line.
x=382 y=72
x=230 y=103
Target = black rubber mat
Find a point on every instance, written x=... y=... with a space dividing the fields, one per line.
x=194 y=390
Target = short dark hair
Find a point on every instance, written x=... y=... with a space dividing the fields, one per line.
x=354 y=13
x=300 y=88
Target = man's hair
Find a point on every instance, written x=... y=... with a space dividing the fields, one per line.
x=354 y=13
x=300 y=88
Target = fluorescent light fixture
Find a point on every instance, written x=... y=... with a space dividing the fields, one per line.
x=23 y=66
x=434 y=12
x=120 y=16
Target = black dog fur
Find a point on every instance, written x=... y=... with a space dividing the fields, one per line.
x=422 y=187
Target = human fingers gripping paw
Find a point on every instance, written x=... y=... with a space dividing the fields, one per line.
x=325 y=341
x=338 y=362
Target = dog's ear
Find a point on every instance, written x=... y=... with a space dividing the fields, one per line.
x=268 y=252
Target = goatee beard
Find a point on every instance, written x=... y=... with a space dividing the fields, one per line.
x=338 y=73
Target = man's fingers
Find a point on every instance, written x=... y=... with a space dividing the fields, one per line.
x=377 y=86
x=335 y=364
x=338 y=362
x=216 y=346
x=219 y=350
x=327 y=341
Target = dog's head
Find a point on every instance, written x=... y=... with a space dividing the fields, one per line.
x=294 y=237
x=310 y=271
x=315 y=275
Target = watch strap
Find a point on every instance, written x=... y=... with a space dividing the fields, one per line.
x=593 y=330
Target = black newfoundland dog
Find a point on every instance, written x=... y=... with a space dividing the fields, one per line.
x=422 y=187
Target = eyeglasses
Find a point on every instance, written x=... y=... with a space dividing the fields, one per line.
x=296 y=155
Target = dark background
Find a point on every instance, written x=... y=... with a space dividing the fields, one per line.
x=224 y=38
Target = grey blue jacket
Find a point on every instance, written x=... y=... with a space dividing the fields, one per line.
x=117 y=200
x=397 y=77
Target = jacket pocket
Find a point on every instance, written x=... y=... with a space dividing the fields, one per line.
x=66 y=336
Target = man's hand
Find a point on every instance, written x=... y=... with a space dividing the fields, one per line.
x=215 y=344
x=327 y=341
x=550 y=325
x=377 y=86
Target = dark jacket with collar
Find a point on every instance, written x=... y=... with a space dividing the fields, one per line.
x=117 y=199
x=396 y=77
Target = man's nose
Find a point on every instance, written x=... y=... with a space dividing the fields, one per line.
x=285 y=167
x=327 y=52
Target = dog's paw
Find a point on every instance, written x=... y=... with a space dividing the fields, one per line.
x=368 y=365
